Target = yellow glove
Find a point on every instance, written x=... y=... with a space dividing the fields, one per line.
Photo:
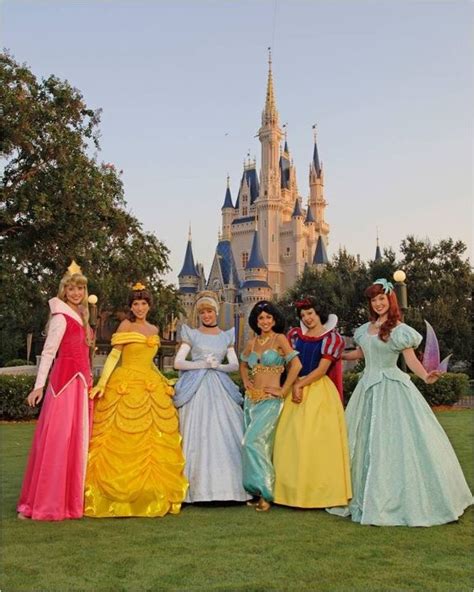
x=109 y=367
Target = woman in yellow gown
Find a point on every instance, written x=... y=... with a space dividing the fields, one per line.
x=136 y=463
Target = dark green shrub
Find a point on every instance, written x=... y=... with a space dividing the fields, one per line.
x=446 y=391
x=17 y=362
x=13 y=392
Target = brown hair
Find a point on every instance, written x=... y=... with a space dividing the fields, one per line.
x=138 y=295
x=393 y=315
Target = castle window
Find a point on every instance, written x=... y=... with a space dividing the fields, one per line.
x=273 y=238
x=244 y=211
x=245 y=258
x=304 y=253
x=288 y=251
x=244 y=199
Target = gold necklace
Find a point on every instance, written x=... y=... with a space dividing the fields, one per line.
x=261 y=341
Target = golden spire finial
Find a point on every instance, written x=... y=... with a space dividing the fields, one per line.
x=189 y=232
x=270 y=107
x=315 y=131
x=74 y=268
x=228 y=181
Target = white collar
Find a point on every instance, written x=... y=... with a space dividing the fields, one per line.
x=329 y=325
x=56 y=305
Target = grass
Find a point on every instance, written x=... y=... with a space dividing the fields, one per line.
x=230 y=547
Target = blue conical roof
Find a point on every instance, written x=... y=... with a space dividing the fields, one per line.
x=228 y=199
x=188 y=266
x=317 y=166
x=297 y=211
x=309 y=215
x=256 y=257
x=320 y=255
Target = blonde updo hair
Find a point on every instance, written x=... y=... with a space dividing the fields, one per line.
x=77 y=279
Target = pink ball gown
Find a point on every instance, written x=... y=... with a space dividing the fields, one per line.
x=53 y=486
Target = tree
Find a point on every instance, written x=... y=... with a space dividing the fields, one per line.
x=440 y=282
x=339 y=286
x=59 y=203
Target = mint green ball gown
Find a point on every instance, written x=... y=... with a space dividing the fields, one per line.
x=404 y=470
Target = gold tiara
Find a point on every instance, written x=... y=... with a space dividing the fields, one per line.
x=138 y=287
x=74 y=268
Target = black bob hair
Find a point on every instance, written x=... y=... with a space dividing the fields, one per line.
x=271 y=309
x=138 y=295
x=309 y=303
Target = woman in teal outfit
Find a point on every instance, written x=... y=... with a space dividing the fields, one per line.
x=404 y=470
x=262 y=364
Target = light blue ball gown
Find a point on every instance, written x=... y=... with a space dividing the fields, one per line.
x=211 y=422
x=403 y=467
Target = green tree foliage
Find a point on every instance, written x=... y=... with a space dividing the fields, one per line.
x=439 y=282
x=58 y=203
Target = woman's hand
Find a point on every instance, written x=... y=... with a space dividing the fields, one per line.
x=35 y=397
x=432 y=376
x=297 y=393
x=274 y=391
x=96 y=391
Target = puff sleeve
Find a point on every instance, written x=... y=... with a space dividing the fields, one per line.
x=404 y=337
x=56 y=330
x=359 y=332
x=332 y=346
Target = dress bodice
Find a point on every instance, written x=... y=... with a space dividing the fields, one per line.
x=138 y=349
x=381 y=356
x=312 y=349
x=203 y=345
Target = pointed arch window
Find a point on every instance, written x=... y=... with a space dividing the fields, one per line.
x=245 y=258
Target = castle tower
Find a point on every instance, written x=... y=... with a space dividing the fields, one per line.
x=310 y=225
x=269 y=200
x=320 y=259
x=255 y=286
x=228 y=213
x=316 y=187
x=189 y=279
x=378 y=252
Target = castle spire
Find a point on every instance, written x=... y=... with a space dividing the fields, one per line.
x=320 y=255
x=378 y=252
x=315 y=163
x=256 y=259
x=228 y=197
x=188 y=269
x=270 y=113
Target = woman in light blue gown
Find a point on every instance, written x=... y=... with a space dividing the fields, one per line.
x=210 y=408
x=404 y=470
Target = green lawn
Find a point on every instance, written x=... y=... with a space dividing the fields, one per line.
x=230 y=548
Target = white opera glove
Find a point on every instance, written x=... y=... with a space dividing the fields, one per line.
x=180 y=362
x=56 y=330
x=233 y=362
x=212 y=361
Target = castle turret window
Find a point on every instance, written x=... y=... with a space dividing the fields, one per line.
x=245 y=258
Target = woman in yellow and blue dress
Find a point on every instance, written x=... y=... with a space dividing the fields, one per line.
x=136 y=462
x=311 y=454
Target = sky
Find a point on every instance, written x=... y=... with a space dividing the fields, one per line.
x=182 y=86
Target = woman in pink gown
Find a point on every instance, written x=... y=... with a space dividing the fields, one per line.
x=53 y=486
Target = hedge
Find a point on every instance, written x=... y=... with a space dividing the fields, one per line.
x=449 y=388
x=14 y=389
x=13 y=392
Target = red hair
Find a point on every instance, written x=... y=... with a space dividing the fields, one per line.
x=393 y=315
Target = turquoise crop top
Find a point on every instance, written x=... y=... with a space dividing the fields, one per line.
x=270 y=357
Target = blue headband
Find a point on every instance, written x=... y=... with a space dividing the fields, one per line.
x=387 y=286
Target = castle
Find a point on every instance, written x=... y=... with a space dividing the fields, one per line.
x=268 y=236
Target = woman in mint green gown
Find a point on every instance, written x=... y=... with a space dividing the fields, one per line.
x=404 y=470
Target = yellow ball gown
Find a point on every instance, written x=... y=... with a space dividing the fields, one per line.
x=136 y=463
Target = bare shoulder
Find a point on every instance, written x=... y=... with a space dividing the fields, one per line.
x=124 y=326
x=153 y=329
